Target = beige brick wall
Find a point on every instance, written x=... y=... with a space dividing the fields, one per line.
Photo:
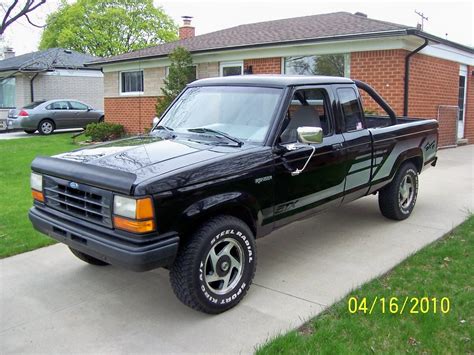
x=207 y=70
x=87 y=89
x=22 y=90
x=152 y=77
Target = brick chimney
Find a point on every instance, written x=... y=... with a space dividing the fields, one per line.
x=186 y=31
x=9 y=53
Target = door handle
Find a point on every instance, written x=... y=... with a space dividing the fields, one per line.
x=337 y=146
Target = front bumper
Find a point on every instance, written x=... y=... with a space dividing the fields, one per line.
x=140 y=256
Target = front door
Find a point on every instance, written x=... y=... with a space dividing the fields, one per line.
x=321 y=183
x=462 y=100
x=81 y=114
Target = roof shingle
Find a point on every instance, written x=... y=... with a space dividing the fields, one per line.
x=270 y=32
x=48 y=59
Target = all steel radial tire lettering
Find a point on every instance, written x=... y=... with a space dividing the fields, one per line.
x=215 y=266
x=397 y=200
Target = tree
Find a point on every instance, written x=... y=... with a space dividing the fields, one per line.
x=15 y=10
x=107 y=27
x=181 y=72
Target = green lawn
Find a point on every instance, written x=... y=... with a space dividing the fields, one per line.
x=16 y=233
x=443 y=269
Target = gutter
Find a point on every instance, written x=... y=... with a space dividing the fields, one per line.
x=406 y=83
x=32 y=91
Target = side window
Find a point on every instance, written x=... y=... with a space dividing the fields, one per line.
x=77 y=106
x=308 y=107
x=58 y=105
x=350 y=109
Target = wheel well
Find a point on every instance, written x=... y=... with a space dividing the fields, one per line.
x=236 y=211
x=417 y=161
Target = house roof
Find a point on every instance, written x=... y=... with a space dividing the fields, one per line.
x=53 y=58
x=337 y=25
x=271 y=80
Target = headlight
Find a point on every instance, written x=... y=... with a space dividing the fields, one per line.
x=138 y=213
x=36 y=181
x=125 y=207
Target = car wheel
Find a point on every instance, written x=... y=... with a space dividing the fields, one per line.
x=397 y=200
x=101 y=119
x=46 y=127
x=30 y=131
x=215 y=267
x=87 y=258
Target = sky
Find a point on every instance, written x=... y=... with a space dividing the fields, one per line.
x=446 y=19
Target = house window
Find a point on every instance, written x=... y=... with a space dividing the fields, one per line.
x=327 y=64
x=131 y=82
x=231 y=68
x=7 y=93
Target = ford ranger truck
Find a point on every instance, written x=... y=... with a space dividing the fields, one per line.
x=231 y=160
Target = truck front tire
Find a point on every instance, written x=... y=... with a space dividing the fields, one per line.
x=397 y=199
x=215 y=266
x=87 y=258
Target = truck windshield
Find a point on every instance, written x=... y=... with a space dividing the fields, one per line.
x=241 y=112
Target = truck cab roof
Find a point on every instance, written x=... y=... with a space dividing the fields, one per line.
x=272 y=80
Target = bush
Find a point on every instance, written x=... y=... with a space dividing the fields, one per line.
x=104 y=131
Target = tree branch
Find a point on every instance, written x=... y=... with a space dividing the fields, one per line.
x=29 y=6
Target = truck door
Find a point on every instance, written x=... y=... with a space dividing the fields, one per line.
x=321 y=184
x=357 y=143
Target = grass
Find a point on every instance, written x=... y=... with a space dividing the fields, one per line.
x=16 y=233
x=443 y=269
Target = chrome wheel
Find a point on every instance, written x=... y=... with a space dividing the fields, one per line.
x=406 y=192
x=224 y=266
x=46 y=127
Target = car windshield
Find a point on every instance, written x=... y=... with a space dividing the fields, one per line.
x=244 y=113
x=33 y=104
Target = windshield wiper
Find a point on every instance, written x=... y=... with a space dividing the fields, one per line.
x=169 y=130
x=217 y=133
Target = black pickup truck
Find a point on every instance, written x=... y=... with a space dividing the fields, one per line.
x=230 y=161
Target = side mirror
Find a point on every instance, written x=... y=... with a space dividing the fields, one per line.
x=310 y=135
x=155 y=121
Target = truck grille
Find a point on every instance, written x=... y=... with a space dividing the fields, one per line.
x=79 y=200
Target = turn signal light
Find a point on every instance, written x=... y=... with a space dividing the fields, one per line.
x=134 y=226
x=38 y=196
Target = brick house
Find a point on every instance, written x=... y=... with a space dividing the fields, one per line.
x=419 y=74
x=45 y=75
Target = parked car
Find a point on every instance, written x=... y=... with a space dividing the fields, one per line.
x=46 y=116
x=232 y=160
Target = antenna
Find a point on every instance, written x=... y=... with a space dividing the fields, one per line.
x=423 y=18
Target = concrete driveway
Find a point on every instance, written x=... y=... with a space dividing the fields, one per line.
x=53 y=303
x=21 y=134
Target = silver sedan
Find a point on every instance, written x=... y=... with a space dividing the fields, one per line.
x=46 y=116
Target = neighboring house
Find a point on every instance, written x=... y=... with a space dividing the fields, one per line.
x=50 y=74
x=419 y=74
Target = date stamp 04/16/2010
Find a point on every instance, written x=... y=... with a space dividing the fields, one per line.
x=398 y=305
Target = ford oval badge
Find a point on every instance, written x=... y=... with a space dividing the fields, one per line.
x=73 y=185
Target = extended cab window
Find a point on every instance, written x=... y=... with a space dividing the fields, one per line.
x=350 y=109
x=308 y=107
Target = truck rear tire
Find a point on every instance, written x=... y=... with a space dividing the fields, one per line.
x=215 y=266
x=397 y=199
x=87 y=258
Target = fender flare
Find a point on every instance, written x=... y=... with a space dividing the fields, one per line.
x=237 y=203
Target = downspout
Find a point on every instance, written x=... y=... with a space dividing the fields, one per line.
x=32 y=91
x=407 y=76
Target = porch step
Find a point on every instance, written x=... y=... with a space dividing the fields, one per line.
x=462 y=141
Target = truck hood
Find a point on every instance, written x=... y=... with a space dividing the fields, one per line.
x=132 y=161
